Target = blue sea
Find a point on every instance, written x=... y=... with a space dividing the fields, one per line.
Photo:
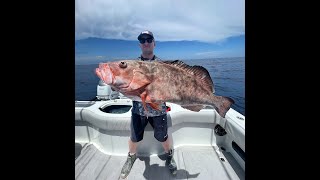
x=228 y=75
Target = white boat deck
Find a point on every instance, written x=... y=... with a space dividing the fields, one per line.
x=194 y=162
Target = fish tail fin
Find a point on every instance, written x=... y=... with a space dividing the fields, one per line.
x=222 y=105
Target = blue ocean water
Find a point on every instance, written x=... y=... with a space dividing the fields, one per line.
x=228 y=75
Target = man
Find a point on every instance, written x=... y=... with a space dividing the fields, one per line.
x=139 y=120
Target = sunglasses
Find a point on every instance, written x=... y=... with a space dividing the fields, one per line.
x=142 y=41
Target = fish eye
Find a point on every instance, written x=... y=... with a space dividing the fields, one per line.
x=123 y=64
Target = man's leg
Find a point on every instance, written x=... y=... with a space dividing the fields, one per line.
x=166 y=145
x=170 y=162
x=138 y=123
x=161 y=134
x=132 y=146
x=131 y=158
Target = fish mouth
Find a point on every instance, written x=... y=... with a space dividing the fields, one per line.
x=104 y=73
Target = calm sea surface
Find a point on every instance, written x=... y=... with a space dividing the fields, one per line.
x=228 y=75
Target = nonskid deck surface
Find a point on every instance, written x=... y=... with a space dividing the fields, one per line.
x=194 y=162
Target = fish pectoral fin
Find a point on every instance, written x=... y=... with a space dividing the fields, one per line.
x=143 y=97
x=139 y=80
x=195 y=108
x=156 y=106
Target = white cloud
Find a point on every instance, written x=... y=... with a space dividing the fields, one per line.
x=209 y=53
x=220 y=53
x=206 y=20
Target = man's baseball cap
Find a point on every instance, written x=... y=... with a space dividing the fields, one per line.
x=146 y=34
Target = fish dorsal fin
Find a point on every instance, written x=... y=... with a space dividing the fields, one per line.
x=195 y=70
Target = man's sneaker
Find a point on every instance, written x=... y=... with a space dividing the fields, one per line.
x=128 y=165
x=171 y=163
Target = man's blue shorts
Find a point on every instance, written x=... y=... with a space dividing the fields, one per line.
x=138 y=124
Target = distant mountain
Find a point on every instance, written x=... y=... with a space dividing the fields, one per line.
x=95 y=50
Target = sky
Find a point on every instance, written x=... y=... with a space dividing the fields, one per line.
x=208 y=21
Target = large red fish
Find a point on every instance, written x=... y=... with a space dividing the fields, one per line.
x=154 y=82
